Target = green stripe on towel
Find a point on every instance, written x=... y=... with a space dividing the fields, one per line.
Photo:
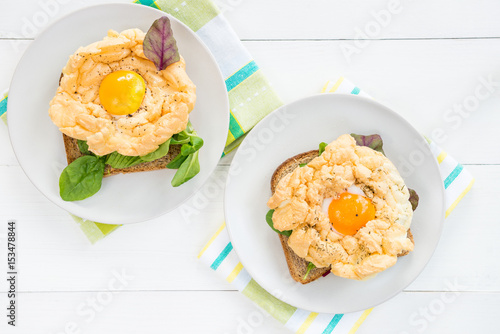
x=94 y=231
x=230 y=139
x=193 y=13
x=234 y=127
x=275 y=307
x=252 y=100
x=231 y=145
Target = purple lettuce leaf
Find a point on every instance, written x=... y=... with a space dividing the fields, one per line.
x=413 y=199
x=159 y=44
x=373 y=141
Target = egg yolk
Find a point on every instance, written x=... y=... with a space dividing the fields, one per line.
x=121 y=92
x=350 y=212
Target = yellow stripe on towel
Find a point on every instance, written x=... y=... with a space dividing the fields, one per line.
x=234 y=273
x=441 y=157
x=337 y=85
x=325 y=87
x=302 y=329
x=459 y=198
x=360 y=321
x=212 y=240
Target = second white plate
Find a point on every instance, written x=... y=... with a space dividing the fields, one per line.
x=300 y=127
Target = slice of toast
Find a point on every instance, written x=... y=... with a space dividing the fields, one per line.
x=297 y=265
x=73 y=153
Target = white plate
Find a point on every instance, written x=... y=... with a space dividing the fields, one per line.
x=300 y=127
x=38 y=143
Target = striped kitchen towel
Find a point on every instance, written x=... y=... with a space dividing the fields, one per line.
x=218 y=253
x=3 y=107
x=250 y=95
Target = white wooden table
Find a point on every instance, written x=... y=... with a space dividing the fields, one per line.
x=423 y=60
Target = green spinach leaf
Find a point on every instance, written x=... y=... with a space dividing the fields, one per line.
x=269 y=220
x=117 y=160
x=177 y=161
x=188 y=169
x=180 y=138
x=186 y=161
x=82 y=178
x=84 y=147
x=187 y=149
x=194 y=145
x=310 y=267
x=190 y=128
x=160 y=152
x=197 y=142
x=322 y=147
x=179 y=141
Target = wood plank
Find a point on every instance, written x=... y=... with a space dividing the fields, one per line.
x=229 y=312
x=469 y=242
x=55 y=256
x=294 y=19
x=434 y=312
x=221 y=312
x=161 y=252
x=324 y=19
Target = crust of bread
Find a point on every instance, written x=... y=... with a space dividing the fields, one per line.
x=73 y=153
x=297 y=265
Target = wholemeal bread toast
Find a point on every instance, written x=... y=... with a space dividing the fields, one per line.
x=73 y=153
x=297 y=265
